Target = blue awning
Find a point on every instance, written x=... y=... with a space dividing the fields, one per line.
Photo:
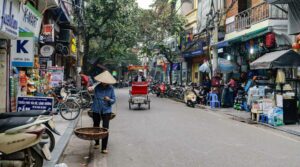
x=195 y=51
x=222 y=44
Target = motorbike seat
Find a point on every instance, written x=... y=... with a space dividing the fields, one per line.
x=32 y=113
x=13 y=122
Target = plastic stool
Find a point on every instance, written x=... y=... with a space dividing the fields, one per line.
x=213 y=100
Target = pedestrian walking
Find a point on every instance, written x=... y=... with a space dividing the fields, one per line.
x=102 y=104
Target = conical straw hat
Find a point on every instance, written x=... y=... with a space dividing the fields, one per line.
x=105 y=77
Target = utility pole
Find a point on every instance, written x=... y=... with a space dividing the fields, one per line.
x=215 y=39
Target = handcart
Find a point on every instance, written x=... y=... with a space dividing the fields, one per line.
x=139 y=95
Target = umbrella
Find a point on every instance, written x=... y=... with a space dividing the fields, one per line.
x=225 y=66
x=205 y=67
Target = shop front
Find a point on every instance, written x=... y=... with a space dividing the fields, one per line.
x=27 y=82
x=276 y=100
x=9 y=29
x=194 y=56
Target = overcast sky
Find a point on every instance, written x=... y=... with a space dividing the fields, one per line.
x=144 y=3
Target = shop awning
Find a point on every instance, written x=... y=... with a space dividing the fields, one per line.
x=194 y=51
x=278 y=59
x=280 y=1
x=243 y=38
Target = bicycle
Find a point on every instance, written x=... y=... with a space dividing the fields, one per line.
x=82 y=97
x=68 y=108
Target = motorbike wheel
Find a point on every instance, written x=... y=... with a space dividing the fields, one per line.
x=36 y=159
x=49 y=138
x=149 y=105
x=69 y=110
x=129 y=104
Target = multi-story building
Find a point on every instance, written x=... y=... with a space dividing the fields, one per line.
x=29 y=45
x=253 y=27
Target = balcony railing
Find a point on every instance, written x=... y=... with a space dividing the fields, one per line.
x=255 y=15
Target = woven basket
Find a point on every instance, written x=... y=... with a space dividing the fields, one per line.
x=113 y=115
x=91 y=133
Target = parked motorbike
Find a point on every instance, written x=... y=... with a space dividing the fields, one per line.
x=20 y=142
x=154 y=87
x=203 y=95
x=47 y=136
x=161 y=90
x=190 y=97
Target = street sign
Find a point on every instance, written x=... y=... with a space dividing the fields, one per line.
x=22 y=50
x=34 y=103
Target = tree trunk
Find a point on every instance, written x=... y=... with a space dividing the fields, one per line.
x=170 y=73
x=86 y=54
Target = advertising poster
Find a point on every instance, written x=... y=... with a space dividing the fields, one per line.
x=57 y=75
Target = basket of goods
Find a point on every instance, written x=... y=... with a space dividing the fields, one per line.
x=112 y=116
x=91 y=133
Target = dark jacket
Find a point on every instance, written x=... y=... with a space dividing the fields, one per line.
x=137 y=78
x=99 y=104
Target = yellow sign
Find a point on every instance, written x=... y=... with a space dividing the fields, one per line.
x=73 y=46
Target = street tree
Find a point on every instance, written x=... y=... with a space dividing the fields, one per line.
x=158 y=23
x=110 y=30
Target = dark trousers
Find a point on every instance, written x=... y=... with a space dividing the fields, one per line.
x=105 y=124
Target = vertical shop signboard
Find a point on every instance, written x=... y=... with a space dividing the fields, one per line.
x=30 y=19
x=9 y=19
x=22 y=50
x=57 y=75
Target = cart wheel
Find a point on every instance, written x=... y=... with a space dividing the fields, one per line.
x=148 y=105
x=129 y=105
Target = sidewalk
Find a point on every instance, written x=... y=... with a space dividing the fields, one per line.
x=79 y=152
x=65 y=128
x=244 y=116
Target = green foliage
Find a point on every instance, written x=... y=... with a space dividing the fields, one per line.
x=158 y=24
x=111 y=29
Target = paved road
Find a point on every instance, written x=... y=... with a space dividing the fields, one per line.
x=173 y=135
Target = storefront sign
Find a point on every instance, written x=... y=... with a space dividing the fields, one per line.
x=30 y=19
x=73 y=46
x=132 y=68
x=34 y=103
x=22 y=51
x=43 y=62
x=47 y=50
x=9 y=19
x=48 y=33
x=57 y=75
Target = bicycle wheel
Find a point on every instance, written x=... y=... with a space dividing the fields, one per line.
x=69 y=110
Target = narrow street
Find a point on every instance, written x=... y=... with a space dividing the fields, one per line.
x=173 y=135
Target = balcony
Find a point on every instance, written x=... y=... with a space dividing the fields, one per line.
x=254 y=15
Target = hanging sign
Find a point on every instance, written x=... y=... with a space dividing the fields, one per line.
x=47 y=50
x=9 y=19
x=22 y=50
x=48 y=33
x=30 y=19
